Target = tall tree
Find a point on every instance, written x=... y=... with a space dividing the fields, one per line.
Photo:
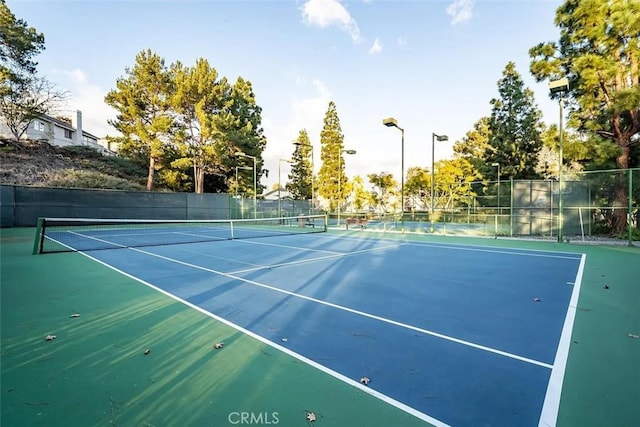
x=599 y=52
x=19 y=44
x=240 y=130
x=198 y=98
x=514 y=127
x=24 y=95
x=474 y=145
x=300 y=177
x=331 y=174
x=142 y=100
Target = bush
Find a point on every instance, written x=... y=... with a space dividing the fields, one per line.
x=71 y=178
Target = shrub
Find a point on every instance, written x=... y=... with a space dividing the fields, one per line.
x=72 y=178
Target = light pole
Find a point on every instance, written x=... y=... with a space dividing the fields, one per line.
x=391 y=122
x=243 y=168
x=313 y=190
x=560 y=87
x=279 y=185
x=340 y=178
x=434 y=137
x=255 y=186
x=498 y=165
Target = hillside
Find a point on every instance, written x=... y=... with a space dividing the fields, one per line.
x=39 y=163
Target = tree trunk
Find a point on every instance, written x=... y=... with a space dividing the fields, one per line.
x=199 y=179
x=621 y=192
x=152 y=169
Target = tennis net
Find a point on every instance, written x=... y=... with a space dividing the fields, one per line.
x=86 y=234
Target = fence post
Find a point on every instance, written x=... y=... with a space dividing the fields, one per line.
x=511 y=207
x=630 y=207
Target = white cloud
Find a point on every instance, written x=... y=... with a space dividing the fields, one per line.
x=402 y=41
x=376 y=47
x=88 y=98
x=327 y=13
x=460 y=11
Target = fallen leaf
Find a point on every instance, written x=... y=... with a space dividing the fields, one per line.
x=365 y=380
x=536 y=299
x=311 y=416
x=605 y=287
x=630 y=335
x=147 y=351
x=218 y=345
x=285 y=339
x=75 y=315
x=50 y=337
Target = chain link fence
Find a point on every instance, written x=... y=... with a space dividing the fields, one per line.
x=588 y=206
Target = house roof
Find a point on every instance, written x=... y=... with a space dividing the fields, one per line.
x=66 y=125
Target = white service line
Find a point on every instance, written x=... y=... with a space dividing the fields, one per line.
x=311 y=260
x=551 y=405
x=287 y=246
x=97 y=239
x=389 y=400
x=354 y=311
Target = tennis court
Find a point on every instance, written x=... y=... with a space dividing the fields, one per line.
x=442 y=332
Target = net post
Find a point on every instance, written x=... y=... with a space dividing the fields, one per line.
x=39 y=239
x=325 y=224
x=231 y=224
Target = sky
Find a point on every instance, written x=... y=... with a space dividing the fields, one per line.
x=433 y=65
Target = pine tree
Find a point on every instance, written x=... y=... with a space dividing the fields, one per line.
x=24 y=96
x=199 y=96
x=599 y=52
x=473 y=146
x=142 y=100
x=300 y=177
x=514 y=127
x=331 y=177
x=19 y=44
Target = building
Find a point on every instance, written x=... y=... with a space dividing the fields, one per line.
x=58 y=131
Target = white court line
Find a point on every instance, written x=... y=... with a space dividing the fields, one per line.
x=354 y=311
x=496 y=251
x=551 y=405
x=99 y=240
x=311 y=260
x=460 y=246
x=287 y=246
x=389 y=400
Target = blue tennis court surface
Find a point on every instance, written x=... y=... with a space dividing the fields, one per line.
x=454 y=334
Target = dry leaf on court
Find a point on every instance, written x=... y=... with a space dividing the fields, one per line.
x=311 y=416
x=75 y=315
x=147 y=351
x=50 y=337
x=630 y=335
x=536 y=299
x=365 y=380
x=218 y=345
x=285 y=339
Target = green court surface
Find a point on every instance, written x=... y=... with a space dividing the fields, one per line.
x=96 y=372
